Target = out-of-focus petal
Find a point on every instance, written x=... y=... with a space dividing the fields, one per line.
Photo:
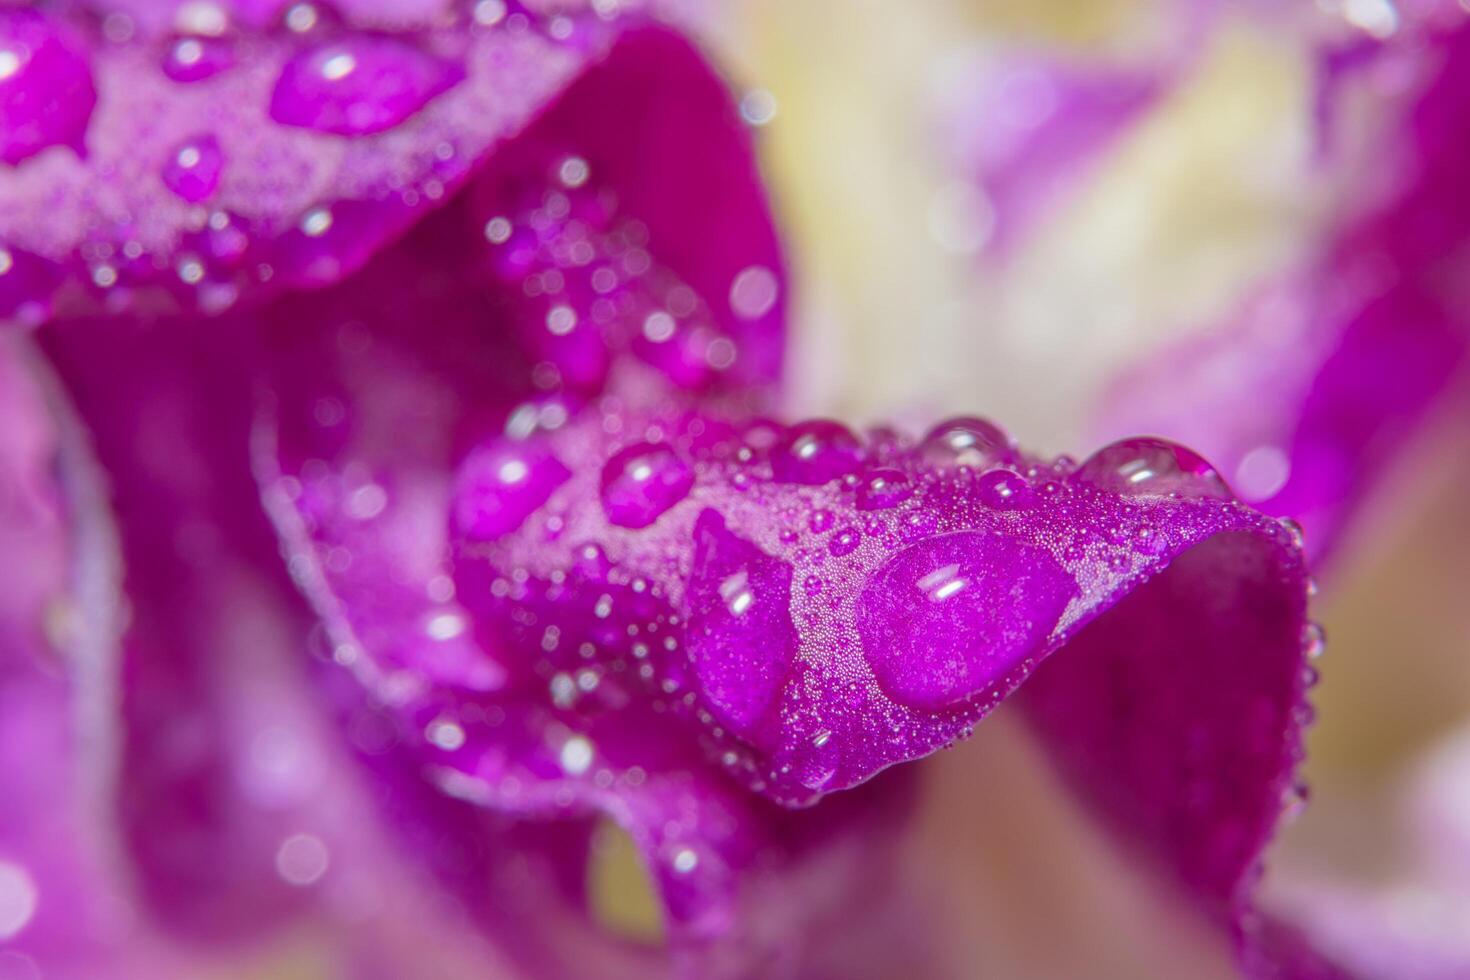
x=1309 y=390
x=64 y=896
x=1027 y=128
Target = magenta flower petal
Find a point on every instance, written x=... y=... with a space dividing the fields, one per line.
x=310 y=119
x=64 y=892
x=783 y=623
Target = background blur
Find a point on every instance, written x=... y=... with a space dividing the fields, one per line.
x=871 y=113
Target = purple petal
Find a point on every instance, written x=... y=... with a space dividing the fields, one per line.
x=112 y=218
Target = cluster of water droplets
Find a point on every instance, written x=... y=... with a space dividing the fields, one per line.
x=821 y=602
x=334 y=78
x=587 y=289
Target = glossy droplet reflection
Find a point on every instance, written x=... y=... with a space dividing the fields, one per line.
x=46 y=90
x=965 y=441
x=192 y=170
x=643 y=481
x=948 y=616
x=883 y=489
x=1147 y=466
x=193 y=59
x=358 y=86
x=500 y=485
x=816 y=452
x=741 y=639
x=1004 y=489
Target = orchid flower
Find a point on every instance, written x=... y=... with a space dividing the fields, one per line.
x=398 y=458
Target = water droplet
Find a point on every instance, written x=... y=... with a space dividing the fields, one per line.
x=363 y=85
x=642 y=482
x=821 y=521
x=945 y=617
x=1148 y=466
x=1314 y=641
x=741 y=639
x=1003 y=489
x=816 y=452
x=883 y=489
x=302 y=859
x=46 y=90
x=193 y=59
x=845 y=542
x=1294 y=530
x=500 y=485
x=192 y=170
x=965 y=441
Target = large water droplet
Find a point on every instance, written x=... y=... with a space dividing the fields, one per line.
x=46 y=91
x=643 y=481
x=970 y=442
x=500 y=485
x=363 y=85
x=1148 y=466
x=945 y=617
x=741 y=639
x=816 y=452
x=192 y=171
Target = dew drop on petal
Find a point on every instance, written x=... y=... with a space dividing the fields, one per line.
x=1003 y=489
x=884 y=488
x=502 y=484
x=1148 y=466
x=947 y=616
x=844 y=542
x=361 y=85
x=816 y=452
x=46 y=90
x=741 y=639
x=1314 y=641
x=970 y=442
x=643 y=481
x=192 y=170
x=193 y=59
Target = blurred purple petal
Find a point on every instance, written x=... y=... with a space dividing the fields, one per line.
x=1309 y=391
